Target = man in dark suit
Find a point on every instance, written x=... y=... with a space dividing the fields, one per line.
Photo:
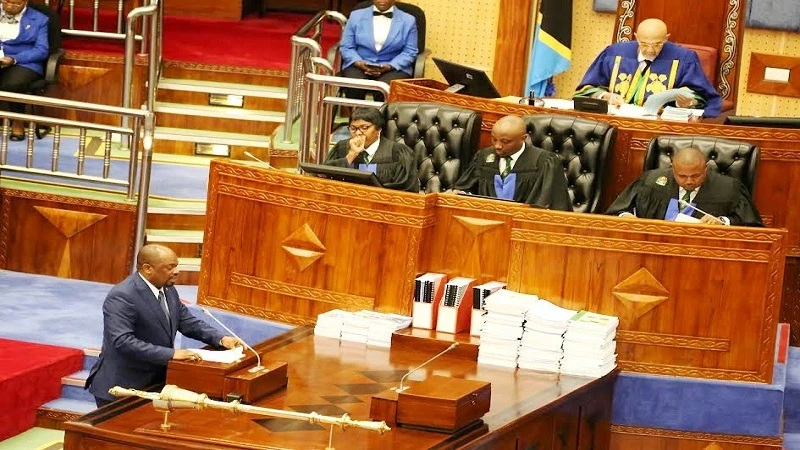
x=24 y=49
x=378 y=43
x=393 y=163
x=140 y=318
x=512 y=169
x=688 y=187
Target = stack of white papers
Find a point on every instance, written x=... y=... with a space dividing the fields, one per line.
x=503 y=327
x=329 y=324
x=381 y=328
x=589 y=345
x=221 y=356
x=680 y=114
x=542 y=341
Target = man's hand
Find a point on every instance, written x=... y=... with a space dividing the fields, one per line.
x=627 y=214
x=230 y=342
x=185 y=355
x=685 y=101
x=362 y=66
x=356 y=147
x=711 y=220
x=612 y=98
x=6 y=61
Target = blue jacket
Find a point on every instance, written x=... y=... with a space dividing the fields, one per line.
x=400 y=49
x=137 y=341
x=30 y=49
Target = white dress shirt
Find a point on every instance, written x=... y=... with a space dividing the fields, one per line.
x=372 y=149
x=514 y=158
x=381 y=25
x=10 y=31
x=154 y=290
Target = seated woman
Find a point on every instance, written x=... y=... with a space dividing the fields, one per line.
x=378 y=43
x=23 y=51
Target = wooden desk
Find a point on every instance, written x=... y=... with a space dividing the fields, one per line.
x=527 y=409
x=694 y=300
x=778 y=171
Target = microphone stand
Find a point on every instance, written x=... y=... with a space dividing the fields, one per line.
x=258 y=367
x=402 y=388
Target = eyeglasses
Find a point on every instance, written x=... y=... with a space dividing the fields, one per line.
x=652 y=45
x=362 y=128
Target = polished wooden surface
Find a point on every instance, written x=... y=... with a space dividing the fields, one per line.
x=512 y=47
x=57 y=235
x=756 y=82
x=287 y=247
x=626 y=438
x=333 y=378
x=212 y=9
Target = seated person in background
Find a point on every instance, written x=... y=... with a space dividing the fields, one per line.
x=393 y=163
x=656 y=193
x=378 y=43
x=24 y=49
x=511 y=169
x=629 y=72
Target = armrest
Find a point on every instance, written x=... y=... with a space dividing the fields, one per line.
x=419 y=66
x=51 y=66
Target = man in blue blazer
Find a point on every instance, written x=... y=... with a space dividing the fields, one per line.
x=23 y=50
x=140 y=318
x=378 y=43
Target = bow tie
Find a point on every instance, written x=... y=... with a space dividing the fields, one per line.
x=388 y=14
x=5 y=18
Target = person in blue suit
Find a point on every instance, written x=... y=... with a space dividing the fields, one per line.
x=378 y=43
x=23 y=51
x=140 y=318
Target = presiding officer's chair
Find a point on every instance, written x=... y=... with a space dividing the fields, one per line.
x=419 y=15
x=737 y=159
x=443 y=138
x=582 y=145
x=41 y=85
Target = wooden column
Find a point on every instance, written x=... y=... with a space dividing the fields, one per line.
x=511 y=50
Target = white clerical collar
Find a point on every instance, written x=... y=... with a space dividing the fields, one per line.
x=154 y=289
x=373 y=148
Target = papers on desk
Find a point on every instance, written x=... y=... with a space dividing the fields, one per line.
x=503 y=327
x=680 y=114
x=685 y=218
x=589 y=345
x=558 y=103
x=366 y=327
x=221 y=356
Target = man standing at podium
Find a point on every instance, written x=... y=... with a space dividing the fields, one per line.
x=690 y=189
x=140 y=318
x=392 y=162
x=512 y=169
x=629 y=72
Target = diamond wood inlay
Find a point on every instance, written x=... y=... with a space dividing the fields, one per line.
x=68 y=223
x=640 y=293
x=303 y=247
x=477 y=226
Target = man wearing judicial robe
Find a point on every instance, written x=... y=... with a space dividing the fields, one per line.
x=393 y=163
x=511 y=169
x=629 y=72
x=715 y=199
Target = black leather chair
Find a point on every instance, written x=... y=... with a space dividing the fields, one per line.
x=733 y=158
x=419 y=15
x=41 y=85
x=582 y=145
x=443 y=138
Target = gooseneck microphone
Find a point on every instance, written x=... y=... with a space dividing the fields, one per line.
x=402 y=388
x=685 y=204
x=258 y=367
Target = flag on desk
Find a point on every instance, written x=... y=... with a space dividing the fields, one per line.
x=551 y=50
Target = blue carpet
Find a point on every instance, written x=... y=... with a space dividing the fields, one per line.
x=166 y=180
x=791 y=408
x=791 y=441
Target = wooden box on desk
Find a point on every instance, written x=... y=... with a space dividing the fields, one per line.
x=443 y=404
x=217 y=380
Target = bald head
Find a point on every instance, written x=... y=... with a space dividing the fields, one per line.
x=651 y=35
x=158 y=265
x=689 y=168
x=508 y=135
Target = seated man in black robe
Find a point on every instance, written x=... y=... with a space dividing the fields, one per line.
x=393 y=163
x=688 y=187
x=511 y=169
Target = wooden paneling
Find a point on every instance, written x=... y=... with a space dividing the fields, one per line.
x=207 y=72
x=229 y=125
x=512 y=46
x=757 y=83
x=335 y=245
x=790 y=306
x=624 y=438
x=202 y=98
x=55 y=235
x=211 y=9
x=526 y=407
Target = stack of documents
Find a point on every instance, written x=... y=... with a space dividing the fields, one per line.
x=589 y=345
x=329 y=324
x=542 y=341
x=479 y=295
x=382 y=326
x=677 y=114
x=221 y=356
x=503 y=328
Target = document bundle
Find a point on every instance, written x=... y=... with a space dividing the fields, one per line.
x=366 y=327
x=589 y=345
x=503 y=327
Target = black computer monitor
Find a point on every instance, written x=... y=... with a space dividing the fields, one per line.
x=342 y=174
x=756 y=121
x=466 y=80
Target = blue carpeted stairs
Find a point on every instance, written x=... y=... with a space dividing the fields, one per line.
x=791 y=403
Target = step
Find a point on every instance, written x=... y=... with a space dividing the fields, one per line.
x=212 y=137
x=221 y=112
x=216 y=87
x=176 y=236
x=189 y=264
x=71 y=405
x=75 y=379
x=90 y=356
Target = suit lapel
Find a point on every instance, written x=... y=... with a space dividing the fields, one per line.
x=370 y=27
x=394 y=29
x=151 y=303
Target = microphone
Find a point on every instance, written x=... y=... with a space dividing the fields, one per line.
x=685 y=204
x=251 y=156
x=401 y=388
x=258 y=367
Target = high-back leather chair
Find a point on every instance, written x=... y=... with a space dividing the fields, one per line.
x=443 y=138
x=737 y=159
x=582 y=145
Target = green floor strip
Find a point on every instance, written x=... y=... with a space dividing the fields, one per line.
x=35 y=439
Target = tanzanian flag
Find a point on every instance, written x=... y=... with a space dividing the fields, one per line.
x=551 y=51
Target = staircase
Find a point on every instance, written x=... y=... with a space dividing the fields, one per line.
x=74 y=401
x=791 y=402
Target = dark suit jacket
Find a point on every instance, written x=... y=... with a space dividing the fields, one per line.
x=30 y=49
x=137 y=341
x=399 y=50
